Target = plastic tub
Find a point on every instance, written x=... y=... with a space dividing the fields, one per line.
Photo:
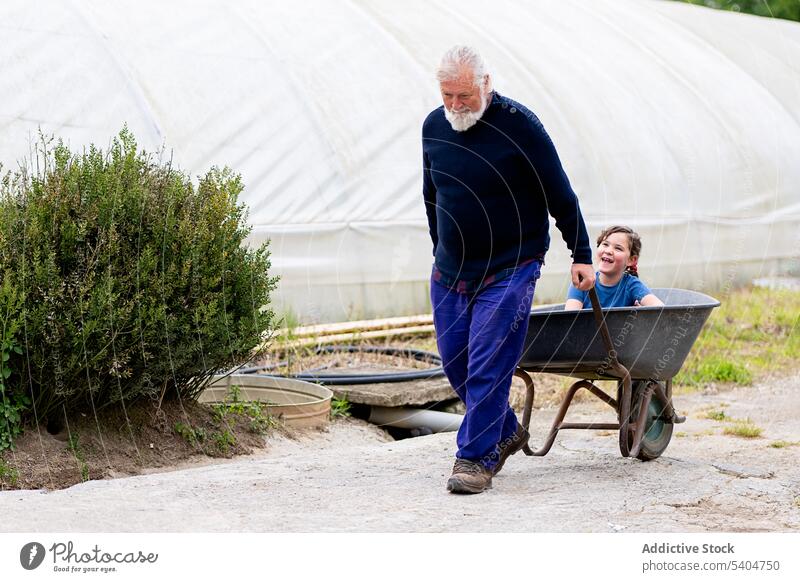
x=296 y=403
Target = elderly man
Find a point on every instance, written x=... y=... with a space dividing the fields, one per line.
x=491 y=175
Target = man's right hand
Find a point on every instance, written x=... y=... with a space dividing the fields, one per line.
x=582 y=276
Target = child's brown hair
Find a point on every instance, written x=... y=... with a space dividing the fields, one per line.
x=634 y=243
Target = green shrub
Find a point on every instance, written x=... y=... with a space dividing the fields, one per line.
x=134 y=282
x=13 y=402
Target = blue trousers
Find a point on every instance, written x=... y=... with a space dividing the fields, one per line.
x=481 y=336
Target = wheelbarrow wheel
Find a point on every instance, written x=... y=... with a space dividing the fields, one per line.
x=658 y=432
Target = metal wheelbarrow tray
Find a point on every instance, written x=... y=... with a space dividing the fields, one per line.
x=642 y=348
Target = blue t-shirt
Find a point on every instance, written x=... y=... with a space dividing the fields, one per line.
x=625 y=293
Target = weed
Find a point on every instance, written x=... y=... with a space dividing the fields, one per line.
x=703 y=433
x=716 y=415
x=184 y=431
x=8 y=474
x=726 y=371
x=289 y=320
x=717 y=369
x=223 y=441
x=260 y=423
x=73 y=444
x=340 y=408
x=194 y=436
x=743 y=428
x=735 y=426
x=681 y=434
x=783 y=444
x=234 y=394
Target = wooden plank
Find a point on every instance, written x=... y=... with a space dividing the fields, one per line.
x=350 y=337
x=356 y=326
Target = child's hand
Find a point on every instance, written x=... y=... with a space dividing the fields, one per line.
x=637 y=304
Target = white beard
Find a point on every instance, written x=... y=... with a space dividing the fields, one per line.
x=463 y=120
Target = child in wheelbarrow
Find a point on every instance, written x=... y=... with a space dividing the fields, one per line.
x=617 y=283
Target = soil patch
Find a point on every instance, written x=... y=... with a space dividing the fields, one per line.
x=119 y=443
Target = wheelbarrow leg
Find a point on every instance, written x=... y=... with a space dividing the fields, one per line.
x=558 y=423
x=669 y=413
x=526 y=410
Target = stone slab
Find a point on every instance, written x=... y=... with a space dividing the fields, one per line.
x=415 y=393
x=743 y=472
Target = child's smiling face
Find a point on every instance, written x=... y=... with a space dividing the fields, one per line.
x=614 y=255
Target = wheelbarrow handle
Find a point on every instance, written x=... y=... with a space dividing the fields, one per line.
x=601 y=324
x=626 y=447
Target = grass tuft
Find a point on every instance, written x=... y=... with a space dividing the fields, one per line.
x=783 y=444
x=743 y=428
x=715 y=369
x=74 y=445
x=340 y=407
x=716 y=415
x=9 y=476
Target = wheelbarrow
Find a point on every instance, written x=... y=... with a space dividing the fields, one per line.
x=641 y=348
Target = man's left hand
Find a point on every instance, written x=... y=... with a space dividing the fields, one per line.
x=582 y=276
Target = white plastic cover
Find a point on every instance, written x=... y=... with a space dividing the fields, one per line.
x=681 y=121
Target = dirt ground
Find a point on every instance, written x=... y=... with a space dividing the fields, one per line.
x=352 y=478
x=117 y=443
x=147 y=438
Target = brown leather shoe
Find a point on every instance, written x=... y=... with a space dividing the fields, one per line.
x=511 y=445
x=469 y=477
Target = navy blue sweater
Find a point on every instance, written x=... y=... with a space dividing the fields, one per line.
x=488 y=191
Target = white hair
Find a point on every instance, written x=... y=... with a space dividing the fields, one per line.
x=458 y=57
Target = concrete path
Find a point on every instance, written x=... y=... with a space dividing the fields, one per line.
x=346 y=480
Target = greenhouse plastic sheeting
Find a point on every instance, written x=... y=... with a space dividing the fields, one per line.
x=679 y=120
